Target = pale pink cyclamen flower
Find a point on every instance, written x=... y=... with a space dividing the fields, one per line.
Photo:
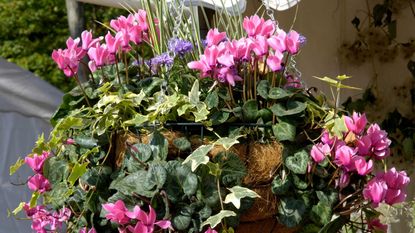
x=260 y=46
x=228 y=73
x=113 y=43
x=38 y=183
x=122 y=22
x=36 y=161
x=207 y=63
x=85 y=230
x=116 y=212
x=88 y=41
x=214 y=37
x=376 y=226
x=292 y=42
x=100 y=56
x=344 y=157
x=240 y=49
x=319 y=152
x=256 y=26
x=277 y=42
x=375 y=191
x=397 y=183
x=146 y=221
x=141 y=18
x=356 y=123
x=274 y=61
x=69 y=58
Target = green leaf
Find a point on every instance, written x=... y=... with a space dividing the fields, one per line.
x=263 y=88
x=181 y=222
x=198 y=157
x=219 y=117
x=284 y=131
x=265 y=114
x=250 y=110
x=280 y=185
x=298 y=182
x=231 y=168
x=291 y=108
x=16 y=166
x=86 y=142
x=156 y=176
x=291 y=211
x=19 y=208
x=201 y=112
x=55 y=170
x=194 y=93
x=339 y=127
x=180 y=180
x=335 y=225
x=182 y=143
x=228 y=142
x=137 y=120
x=59 y=194
x=33 y=199
x=212 y=99
x=77 y=171
x=132 y=183
x=214 y=220
x=160 y=144
x=237 y=193
x=277 y=93
x=297 y=163
x=140 y=151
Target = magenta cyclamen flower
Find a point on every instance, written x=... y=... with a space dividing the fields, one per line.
x=292 y=42
x=379 y=141
x=277 y=42
x=116 y=212
x=376 y=226
x=362 y=166
x=88 y=41
x=69 y=58
x=146 y=221
x=319 y=151
x=210 y=230
x=36 y=161
x=100 y=56
x=356 y=123
x=397 y=183
x=375 y=191
x=256 y=26
x=38 y=183
x=85 y=230
x=44 y=221
x=344 y=157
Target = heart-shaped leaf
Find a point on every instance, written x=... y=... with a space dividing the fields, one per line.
x=263 y=88
x=250 y=110
x=291 y=108
x=278 y=93
x=321 y=213
x=297 y=163
x=280 y=186
x=284 y=131
x=291 y=211
x=182 y=143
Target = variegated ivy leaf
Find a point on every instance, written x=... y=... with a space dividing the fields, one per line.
x=214 y=220
x=198 y=157
x=237 y=193
x=227 y=142
x=194 y=93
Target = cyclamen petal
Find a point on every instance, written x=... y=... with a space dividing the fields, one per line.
x=319 y=152
x=36 y=161
x=377 y=226
x=375 y=191
x=356 y=123
x=277 y=42
x=38 y=183
x=343 y=157
x=292 y=42
x=274 y=61
x=363 y=168
x=210 y=230
x=394 y=196
x=116 y=212
x=214 y=37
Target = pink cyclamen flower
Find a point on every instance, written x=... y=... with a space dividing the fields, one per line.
x=260 y=46
x=274 y=62
x=364 y=145
x=326 y=138
x=356 y=123
x=141 y=18
x=344 y=179
x=363 y=167
x=343 y=157
x=146 y=221
x=277 y=42
x=116 y=212
x=376 y=226
x=379 y=141
x=375 y=191
x=70 y=141
x=214 y=37
x=88 y=41
x=36 y=161
x=256 y=26
x=292 y=42
x=38 y=183
x=210 y=230
x=99 y=55
x=395 y=179
x=319 y=152
x=113 y=43
x=85 y=230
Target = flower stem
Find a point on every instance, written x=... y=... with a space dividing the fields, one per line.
x=82 y=89
x=126 y=68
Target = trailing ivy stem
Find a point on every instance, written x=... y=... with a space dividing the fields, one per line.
x=126 y=68
x=231 y=94
x=255 y=76
x=82 y=89
x=221 y=201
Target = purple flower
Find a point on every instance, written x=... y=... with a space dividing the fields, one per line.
x=155 y=63
x=180 y=47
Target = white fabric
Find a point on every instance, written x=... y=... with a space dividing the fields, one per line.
x=26 y=104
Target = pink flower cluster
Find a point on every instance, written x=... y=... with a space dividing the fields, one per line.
x=118 y=213
x=356 y=151
x=44 y=221
x=388 y=187
x=265 y=43
x=85 y=230
x=38 y=182
x=131 y=29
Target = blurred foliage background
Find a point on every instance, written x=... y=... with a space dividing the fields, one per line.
x=31 y=29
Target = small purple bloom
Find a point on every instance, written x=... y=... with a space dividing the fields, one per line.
x=302 y=39
x=163 y=59
x=180 y=47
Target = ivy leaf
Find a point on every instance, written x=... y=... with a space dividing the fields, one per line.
x=16 y=166
x=297 y=163
x=137 y=120
x=228 y=142
x=291 y=108
x=237 y=193
x=194 y=93
x=291 y=211
x=277 y=93
x=284 y=131
x=212 y=99
x=250 y=110
x=339 y=127
x=198 y=157
x=263 y=88
x=214 y=220
x=182 y=143
x=77 y=171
